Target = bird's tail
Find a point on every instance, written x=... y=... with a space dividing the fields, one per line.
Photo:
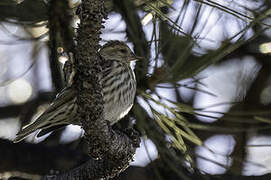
x=61 y=112
x=27 y=130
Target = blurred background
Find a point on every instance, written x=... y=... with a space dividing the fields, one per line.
x=203 y=97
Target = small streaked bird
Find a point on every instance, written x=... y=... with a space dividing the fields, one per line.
x=119 y=88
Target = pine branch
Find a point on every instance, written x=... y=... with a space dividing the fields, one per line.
x=27 y=158
x=112 y=150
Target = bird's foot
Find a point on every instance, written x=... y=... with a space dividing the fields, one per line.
x=133 y=135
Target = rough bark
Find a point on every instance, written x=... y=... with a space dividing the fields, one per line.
x=112 y=150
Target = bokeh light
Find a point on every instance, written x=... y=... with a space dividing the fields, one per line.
x=19 y=91
x=62 y=59
x=265 y=48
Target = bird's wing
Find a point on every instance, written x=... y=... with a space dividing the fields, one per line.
x=55 y=115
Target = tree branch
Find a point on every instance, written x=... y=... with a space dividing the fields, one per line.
x=60 y=36
x=26 y=157
x=112 y=150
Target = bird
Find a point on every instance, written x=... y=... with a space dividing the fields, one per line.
x=118 y=85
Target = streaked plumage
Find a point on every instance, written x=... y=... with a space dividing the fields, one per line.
x=119 y=87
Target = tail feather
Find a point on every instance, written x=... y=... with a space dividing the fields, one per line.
x=56 y=110
x=25 y=132
x=53 y=128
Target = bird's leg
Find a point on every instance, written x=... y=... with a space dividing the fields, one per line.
x=133 y=135
x=129 y=132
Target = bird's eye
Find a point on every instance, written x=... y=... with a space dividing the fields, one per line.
x=124 y=51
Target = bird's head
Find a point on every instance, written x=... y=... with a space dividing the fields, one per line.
x=118 y=51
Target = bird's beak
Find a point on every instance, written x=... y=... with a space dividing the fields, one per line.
x=135 y=58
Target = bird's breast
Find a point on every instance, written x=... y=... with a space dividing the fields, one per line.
x=119 y=87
